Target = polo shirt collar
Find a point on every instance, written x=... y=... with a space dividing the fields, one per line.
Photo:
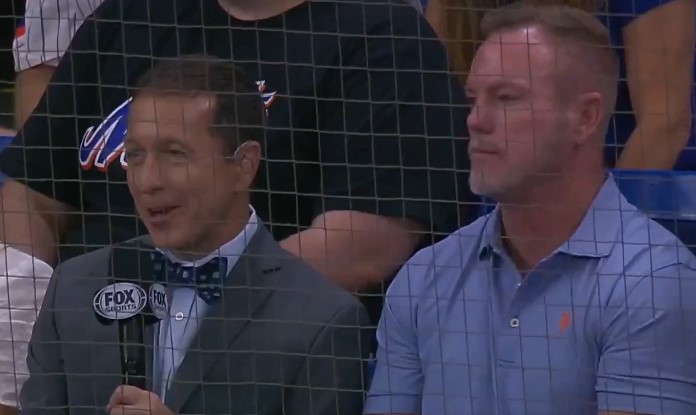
x=597 y=234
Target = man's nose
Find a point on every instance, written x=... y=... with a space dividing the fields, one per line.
x=148 y=175
x=480 y=119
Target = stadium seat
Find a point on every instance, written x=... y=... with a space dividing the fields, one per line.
x=669 y=197
x=5 y=140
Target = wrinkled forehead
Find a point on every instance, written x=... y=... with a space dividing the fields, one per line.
x=520 y=55
x=176 y=109
x=156 y=117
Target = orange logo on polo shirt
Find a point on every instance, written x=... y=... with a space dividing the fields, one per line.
x=565 y=321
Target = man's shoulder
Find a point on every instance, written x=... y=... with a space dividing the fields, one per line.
x=85 y=261
x=99 y=258
x=646 y=265
x=459 y=244
x=645 y=247
x=442 y=261
x=298 y=277
x=298 y=286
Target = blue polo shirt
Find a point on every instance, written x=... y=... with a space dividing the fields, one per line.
x=607 y=322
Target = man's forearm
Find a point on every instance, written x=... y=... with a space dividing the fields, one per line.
x=31 y=222
x=654 y=147
x=8 y=410
x=30 y=86
x=356 y=250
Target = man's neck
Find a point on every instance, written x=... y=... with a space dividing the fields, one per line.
x=226 y=231
x=251 y=10
x=548 y=217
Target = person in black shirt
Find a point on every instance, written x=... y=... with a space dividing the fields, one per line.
x=364 y=122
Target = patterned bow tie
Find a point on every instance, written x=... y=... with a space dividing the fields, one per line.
x=206 y=278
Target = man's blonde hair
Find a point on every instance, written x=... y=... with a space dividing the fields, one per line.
x=592 y=52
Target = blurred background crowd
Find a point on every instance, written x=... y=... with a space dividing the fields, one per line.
x=654 y=40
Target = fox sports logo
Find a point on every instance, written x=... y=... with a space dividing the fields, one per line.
x=120 y=301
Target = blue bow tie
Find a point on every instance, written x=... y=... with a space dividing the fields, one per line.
x=206 y=278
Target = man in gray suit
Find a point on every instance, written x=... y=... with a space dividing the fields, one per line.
x=246 y=328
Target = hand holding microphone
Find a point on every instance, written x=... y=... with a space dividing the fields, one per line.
x=129 y=400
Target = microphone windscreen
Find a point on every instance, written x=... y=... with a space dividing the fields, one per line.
x=119 y=301
x=158 y=304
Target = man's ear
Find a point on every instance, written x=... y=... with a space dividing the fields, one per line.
x=247 y=157
x=589 y=115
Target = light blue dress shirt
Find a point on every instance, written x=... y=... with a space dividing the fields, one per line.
x=187 y=310
x=606 y=323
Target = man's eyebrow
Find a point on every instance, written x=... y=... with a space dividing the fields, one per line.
x=519 y=83
x=166 y=140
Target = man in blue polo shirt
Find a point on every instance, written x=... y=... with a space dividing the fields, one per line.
x=564 y=300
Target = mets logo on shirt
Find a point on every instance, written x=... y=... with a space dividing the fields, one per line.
x=268 y=97
x=103 y=144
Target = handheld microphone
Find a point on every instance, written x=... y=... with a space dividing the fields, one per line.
x=127 y=304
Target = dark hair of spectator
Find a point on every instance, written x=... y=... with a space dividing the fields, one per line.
x=239 y=111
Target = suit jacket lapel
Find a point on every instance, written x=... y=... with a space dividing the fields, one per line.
x=247 y=287
x=132 y=262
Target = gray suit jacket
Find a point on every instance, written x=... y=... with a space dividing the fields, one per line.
x=281 y=340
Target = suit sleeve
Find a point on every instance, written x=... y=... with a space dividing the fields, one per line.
x=333 y=377
x=45 y=392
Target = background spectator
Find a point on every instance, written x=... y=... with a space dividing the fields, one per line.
x=41 y=39
x=43 y=36
x=652 y=127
